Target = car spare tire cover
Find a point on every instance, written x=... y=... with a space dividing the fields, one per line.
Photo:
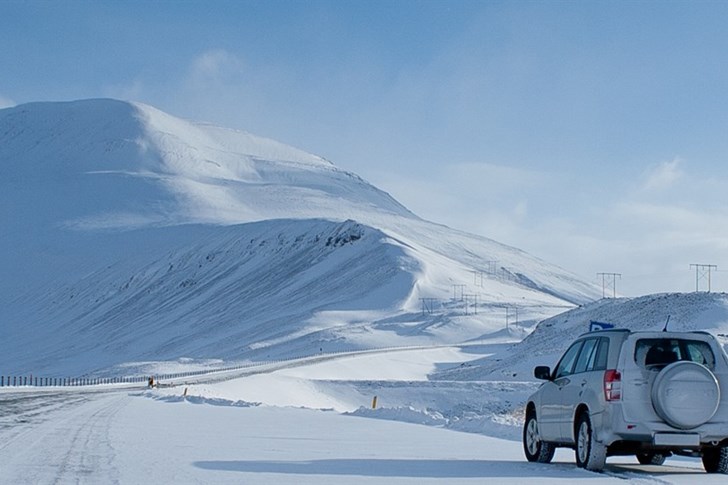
x=685 y=394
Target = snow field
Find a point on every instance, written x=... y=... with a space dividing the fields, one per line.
x=211 y=436
x=404 y=393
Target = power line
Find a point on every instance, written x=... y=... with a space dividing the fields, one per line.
x=471 y=300
x=458 y=289
x=511 y=311
x=702 y=271
x=477 y=278
x=609 y=279
x=428 y=305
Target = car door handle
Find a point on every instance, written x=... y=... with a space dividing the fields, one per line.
x=583 y=383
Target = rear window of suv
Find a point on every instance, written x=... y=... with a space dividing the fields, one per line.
x=659 y=352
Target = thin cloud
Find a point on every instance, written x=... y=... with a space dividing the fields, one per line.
x=215 y=65
x=493 y=177
x=131 y=91
x=671 y=224
x=664 y=175
x=492 y=200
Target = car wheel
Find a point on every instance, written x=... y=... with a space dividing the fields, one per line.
x=590 y=454
x=651 y=458
x=715 y=460
x=674 y=393
x=535 y=449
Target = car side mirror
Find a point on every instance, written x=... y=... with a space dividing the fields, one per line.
x=542 y=372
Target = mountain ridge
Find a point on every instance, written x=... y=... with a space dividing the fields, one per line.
x=193 y=171
x=104 y=189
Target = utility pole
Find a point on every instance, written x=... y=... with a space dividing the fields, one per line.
x=609 y=279
x=428 y=305
x=505 y=274
x=509 y=314
x=458 y=289
x=702 y=271
x=471 y=297
x=477 y=278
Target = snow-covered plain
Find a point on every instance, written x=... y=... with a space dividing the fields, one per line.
x=281 y=427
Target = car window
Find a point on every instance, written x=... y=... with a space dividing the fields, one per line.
x=700 y=352
x=588 y=350
x=657 y=353
x=600 y=356
x=566 y=365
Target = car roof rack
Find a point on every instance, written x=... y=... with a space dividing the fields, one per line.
x=607 y=330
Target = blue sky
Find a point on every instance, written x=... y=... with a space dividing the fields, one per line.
x=591 y=134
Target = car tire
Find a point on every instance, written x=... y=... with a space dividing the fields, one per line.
x=651 y=458
x=536 y=450
x=590 y=454
x=715 y=460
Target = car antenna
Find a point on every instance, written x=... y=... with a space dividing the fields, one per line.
x=668 y=321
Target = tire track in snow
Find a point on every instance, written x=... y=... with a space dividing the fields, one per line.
x=66 y=442
x=21 y=413
x=90 y=450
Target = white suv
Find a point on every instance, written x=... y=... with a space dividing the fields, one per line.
x=649 y=394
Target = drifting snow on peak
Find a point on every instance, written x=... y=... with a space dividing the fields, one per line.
x=234 y=142
x=132 y=166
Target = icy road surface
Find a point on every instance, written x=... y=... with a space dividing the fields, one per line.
x=130 y=437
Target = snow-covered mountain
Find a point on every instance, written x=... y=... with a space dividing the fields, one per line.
x=129 y=234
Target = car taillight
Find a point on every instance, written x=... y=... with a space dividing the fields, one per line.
x=612 y=385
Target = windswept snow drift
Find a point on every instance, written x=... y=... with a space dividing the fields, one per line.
x=132 y=235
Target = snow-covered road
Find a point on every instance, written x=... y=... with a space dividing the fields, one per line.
x=58 y=438
x=131 y=437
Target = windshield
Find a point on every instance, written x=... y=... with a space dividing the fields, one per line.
x=659 y=352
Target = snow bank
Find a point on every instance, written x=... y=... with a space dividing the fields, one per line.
x=405 y=414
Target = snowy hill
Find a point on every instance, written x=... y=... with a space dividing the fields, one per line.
x=161 y=170
x=687 y=311
x=133 y=235
x=109 y=165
